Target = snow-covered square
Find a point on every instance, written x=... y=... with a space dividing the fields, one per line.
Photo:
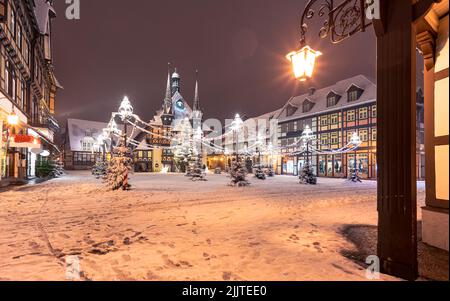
x=170 y=228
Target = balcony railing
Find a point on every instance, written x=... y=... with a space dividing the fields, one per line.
x=45 y=119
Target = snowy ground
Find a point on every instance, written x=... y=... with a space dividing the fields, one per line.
x=169 y=228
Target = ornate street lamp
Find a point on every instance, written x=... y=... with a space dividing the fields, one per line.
x=236 y=127
x=340 y=22
x=125 y=109
x=125 y=112
x=356 y=142
x=303 y=62
x=307 y=175
x=307 y=137
x=101 y=143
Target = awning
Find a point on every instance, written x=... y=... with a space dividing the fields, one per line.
x=44 y=138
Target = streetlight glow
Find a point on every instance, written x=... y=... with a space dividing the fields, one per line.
x=303 y=62
x=355 y=140
x=125 y=109
x=13 y=119
x=307 y=133
x=237 y=123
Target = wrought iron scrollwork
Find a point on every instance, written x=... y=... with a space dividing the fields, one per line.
x=340 y=21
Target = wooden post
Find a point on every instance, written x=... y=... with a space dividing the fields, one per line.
x=396 y=148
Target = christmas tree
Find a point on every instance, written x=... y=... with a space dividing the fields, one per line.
x=119 y=167
x=196 y=171
x=307 y=175
x=99 y=169
x=183 y=156
x=58 y=168
x=238 y=174
x=353 y=175
x=259 y=173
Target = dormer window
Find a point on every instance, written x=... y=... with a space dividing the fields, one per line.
x=307 y=106
x=290 y=110
x=332 y=99
x=352 y=96
x=354 y=93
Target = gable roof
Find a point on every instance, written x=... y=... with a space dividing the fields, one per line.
x=77 y=130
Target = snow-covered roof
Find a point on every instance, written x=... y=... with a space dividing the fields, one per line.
x=269 y=116
x=43 y=11
x=79 y=129
x=319 y=98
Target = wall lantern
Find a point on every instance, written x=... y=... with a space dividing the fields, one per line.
x=340 y=20
x=12 y=118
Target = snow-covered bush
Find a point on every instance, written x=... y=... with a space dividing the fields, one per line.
x=49 y=168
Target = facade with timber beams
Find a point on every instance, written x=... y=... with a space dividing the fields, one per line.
x=28 y=87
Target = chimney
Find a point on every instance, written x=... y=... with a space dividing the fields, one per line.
x=312 y=90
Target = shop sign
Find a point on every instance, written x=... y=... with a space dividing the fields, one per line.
x=25 y=141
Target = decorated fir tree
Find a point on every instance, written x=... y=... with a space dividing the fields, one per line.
x=58 y=167
x=119 y=167
x=259 y=173
x=353 y=175
x=182 y=157
x=238 y=174
x=196 y=171
x=307 y=175
x=99 y=169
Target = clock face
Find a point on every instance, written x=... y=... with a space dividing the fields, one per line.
x=180 y=105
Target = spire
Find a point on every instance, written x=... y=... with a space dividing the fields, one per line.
x=197 y=114
x=167 y=114
x=196 y=106
x=168 y=97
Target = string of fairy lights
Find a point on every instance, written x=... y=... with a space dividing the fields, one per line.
x=182 y=135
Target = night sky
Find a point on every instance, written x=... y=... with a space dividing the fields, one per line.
x=122 y=48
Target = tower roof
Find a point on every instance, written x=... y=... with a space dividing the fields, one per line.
x=196 y=106
x=167 y=105
x=175 y=74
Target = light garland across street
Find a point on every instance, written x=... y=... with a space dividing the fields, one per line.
x=127 y=116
